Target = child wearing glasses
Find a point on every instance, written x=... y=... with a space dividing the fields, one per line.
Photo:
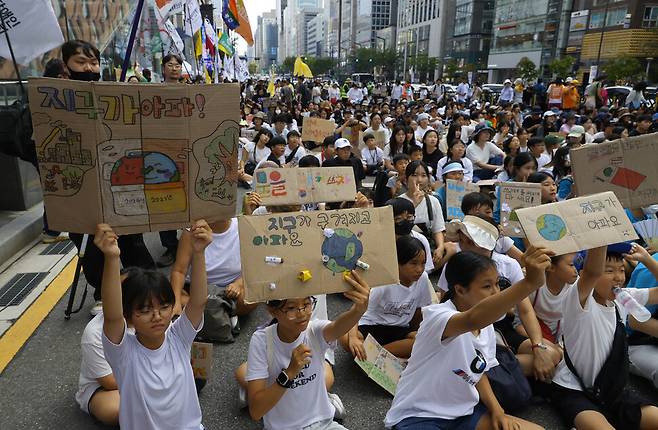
x=152 y=367
x=285 y=364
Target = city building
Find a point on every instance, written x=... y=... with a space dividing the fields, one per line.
x=602 y=30
x=471 y=38
x=292 y=18
x=316 y=34
x=536 y=29
x=371 y=16
x=301 y=27
x=423 y=29
x=266 y=41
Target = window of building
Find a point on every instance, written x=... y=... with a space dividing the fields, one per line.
x=650 y=18
x=615 y=17
x=596 y=19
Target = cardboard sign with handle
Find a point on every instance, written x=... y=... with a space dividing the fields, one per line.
x=516 y=195
x=455 y=192
x=316 y=129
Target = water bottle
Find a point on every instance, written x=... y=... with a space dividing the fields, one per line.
x=631 y=305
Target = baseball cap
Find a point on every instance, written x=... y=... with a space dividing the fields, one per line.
x=483 y=233
x=422 y=116
x=342 y=143
x=576 y=131
x=388 y=119
x=452 y=167
x=549 y=113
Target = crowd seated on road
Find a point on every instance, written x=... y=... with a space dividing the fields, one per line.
x=560 y=335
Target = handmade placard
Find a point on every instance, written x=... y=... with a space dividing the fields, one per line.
x=626 y=166
x=137 y=157
x=283 y=186
x=516 y=195
x=248 y=133
x=455 y=192
x=316 y=129
x=380 y=365
x=298 y=254
x=577 y=224
x=201 y=360
x=380 y=138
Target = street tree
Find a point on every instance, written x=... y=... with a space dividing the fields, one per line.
x=288 y=65
x=623 y=69
x=321 y=65
x=561 y=67
x=253 y=68
x=450 y=70
x=527 y=70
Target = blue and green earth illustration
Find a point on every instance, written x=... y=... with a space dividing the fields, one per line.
x=551 y=227
x=341 y=251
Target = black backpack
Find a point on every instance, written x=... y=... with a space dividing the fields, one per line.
x=380 y=192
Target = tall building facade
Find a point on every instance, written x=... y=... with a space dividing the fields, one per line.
x=292 y=18
x=371 y=16
x=316 y=34
x=471 y=38
x=266 y=41
x=536 y=29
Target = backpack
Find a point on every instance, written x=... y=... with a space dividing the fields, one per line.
x=217 y=315
x=380 y=192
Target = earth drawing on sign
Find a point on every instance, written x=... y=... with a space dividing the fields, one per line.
x=551 y=227
x=341 y=250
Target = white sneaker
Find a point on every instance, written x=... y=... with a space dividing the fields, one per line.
x=242 y=397
x=97 y=308
x=339 y=413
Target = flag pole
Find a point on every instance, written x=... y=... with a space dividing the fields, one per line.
x=131 y=40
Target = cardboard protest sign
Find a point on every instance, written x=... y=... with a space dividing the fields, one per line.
x=516 y=195
x=577 y=224
x=380 y=365
x=316 y=129
x=288 y=255
x=455 y=192
x=138 y=157
x=201 y=360
x=356 y=139
x=248 y=133
x=626 y=166
x=380 y=138
x=283 y=186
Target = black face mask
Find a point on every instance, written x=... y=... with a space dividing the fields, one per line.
x=404 y=227
x=85 y=76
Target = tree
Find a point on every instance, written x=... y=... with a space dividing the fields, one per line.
x=321 y=65
x=561 y=67
x=253 y=68
x=288 y=65
x=363 y=60
x=625 y=69
x=387 y=60
x=527 y=69
x=423 y=66
x=450 y=69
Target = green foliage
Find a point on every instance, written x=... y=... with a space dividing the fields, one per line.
x=288 y=65
x=527 y=70
x=623 y=69
x=363 y=60
x=321 y=65
x=253 y=68
x=561 y=67
x=451 y=69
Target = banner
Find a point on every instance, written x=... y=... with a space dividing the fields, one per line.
x=577 y=224
x=193 y=19
x=230 y=14
x=138 y=157
x=298 y=254
x=32 y=28
x=380 y=365
x=626 y=166
x=380 y=138
x=316 y=129
x=516 y=195
x=285 y=186
x=455 y=192
x=224 y=44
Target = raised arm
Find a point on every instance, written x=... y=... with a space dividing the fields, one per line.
x=114 y=325
x=179 y=269
x=359 y=296
x=200 y=236
x=592 y=271
x=490 y=309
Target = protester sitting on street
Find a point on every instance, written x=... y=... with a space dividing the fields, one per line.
x=487 y=158
x=345 y=158
x=397 y=182
x=257 y=150
x=393 y=313
x=396 y=145
x=372 y=156
x=152 y=367
x=456 y=152
x=548 y=187
x=537 y=148
x=431 y=152
x=457 y=337
x=294 y=150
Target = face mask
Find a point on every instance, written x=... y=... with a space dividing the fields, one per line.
x=403 y=228
x=84 y=76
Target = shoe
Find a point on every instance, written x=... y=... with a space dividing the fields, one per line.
x=339 y=413
x=242 y=397
x=97 y=308
x=167 y=259
x=49 y=238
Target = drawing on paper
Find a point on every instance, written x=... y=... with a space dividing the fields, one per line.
x=620 y=176
x=341 y=250
x=216 y=156
x=551 y=227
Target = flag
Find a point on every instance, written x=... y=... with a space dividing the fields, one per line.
x=230 y=14
x=32 y=28
x=165 y=8
x=229 y=67
x=193 y=18
x=172 y=41
x=302 y=69
x=270 y=86
x=242 y=70
x=210 y=36
x=244 y=28
x=224 y=44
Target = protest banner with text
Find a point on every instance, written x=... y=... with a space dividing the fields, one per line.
x=455 y=192
x=516 y=195
x=380 y=365
x=283 y=186
x=316 y=129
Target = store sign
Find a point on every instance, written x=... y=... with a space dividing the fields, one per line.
x=579 y=20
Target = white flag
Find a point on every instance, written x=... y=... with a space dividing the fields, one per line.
x=166 y=8
x=172 y=41
x=193 y=18
x=32 y=28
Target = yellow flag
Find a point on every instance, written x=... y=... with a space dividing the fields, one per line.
x=270 y=87
x=302 y=69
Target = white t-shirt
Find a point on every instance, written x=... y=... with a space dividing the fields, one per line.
x=387 y=152
x=93 y=364
x=503 y=244
x=395 y=305
x=588 y=333
x=506 y=266
x=261 y=154
x=372 y=156
x=475 y=153
x=429 y=263
x=420 y=132
x=440 y=378
x=468 y=168
x=422 y=217
x=223 y=257
x=548 y=307
x=301 y=152
x=156 y=386
x=543 y=160
x=307 y=402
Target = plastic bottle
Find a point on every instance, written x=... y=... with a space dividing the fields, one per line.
x=629 y=303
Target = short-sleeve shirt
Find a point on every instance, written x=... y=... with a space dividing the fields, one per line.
x=422 y=217
x=482 y=155
x=506 y=266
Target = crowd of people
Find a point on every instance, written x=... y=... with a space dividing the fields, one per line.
x=482 y=321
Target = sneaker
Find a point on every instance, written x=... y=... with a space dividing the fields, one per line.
x=167 y=259
x=49 y=238
x=242 y=397
x=339 y=412
x=97 y=308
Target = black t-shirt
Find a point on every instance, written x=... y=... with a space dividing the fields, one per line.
x=529 y=121
x=432 y=160
x=356 y=164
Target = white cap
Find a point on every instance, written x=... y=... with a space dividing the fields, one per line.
x=478 y=230
x=388 y=119
x=422 y=116
x=342 y=143
x=549 y=113
x=569 y=79
x=452 y=167
x=507 y=81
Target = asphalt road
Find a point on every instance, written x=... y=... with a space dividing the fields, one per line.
x=38 y=387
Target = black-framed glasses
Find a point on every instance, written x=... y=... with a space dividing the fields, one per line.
x=292 y=313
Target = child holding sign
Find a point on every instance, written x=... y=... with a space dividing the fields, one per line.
x=152 y=367
x=285 y=364
x=456 y=344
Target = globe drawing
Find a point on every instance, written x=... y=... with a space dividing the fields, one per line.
x=551 y=227
x=341 y=251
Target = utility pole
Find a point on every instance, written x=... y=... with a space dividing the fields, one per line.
x=598 y=56
x=340 y=25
